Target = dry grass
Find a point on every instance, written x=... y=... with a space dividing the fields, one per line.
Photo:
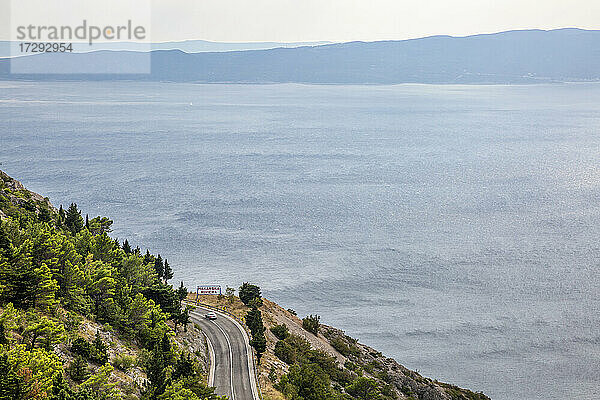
x=236 y=307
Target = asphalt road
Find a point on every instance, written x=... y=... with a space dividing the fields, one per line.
x=233 y=369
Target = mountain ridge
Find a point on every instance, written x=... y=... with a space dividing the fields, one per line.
x=511 y=57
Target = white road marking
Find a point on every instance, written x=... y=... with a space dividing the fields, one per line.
x=211 y=356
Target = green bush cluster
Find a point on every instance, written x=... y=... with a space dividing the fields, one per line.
x=124 y=362
x=311 y=323
x=280 y=331
x=343 y=347
x=315 y=375
x=96 y=351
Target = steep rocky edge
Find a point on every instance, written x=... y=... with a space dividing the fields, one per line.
x=352 y=357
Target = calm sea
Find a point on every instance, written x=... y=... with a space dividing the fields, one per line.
x=454 y=228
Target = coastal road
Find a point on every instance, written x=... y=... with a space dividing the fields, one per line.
x=233 y=373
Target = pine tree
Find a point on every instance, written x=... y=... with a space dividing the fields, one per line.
x=126 y=247
x=100 y=352
x=248 y=293
x=182 y=292
x=167 y=272
x=87 y=222
x=78 y=370
x=61 y=216
x=184 y=318
x=46 y=289
x=147 y=257
x=73 y=219
x=159 y=266
x=254 y=320
x=259 y=342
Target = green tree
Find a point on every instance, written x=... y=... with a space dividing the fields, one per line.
x=148 y=257
x=311 y=323
x=99 y=350
x=100 y=225
x=259 y=342
x=78 y=369
x=36 y=368
x=167 y=271
x=157 y=369
x=184 y=318
x=61 y=216
x=45 y=290
x=73 y=219
x=126 y=247
x=99 y=384
x=159 y=267
x=43 y=330
x=82 y=347
x=230 y=294
x=248 y=293
x=280 y=331
x=11 y=386
x=62 y=391
x=101 y=289
x=363 y=388
x=306 y=382
x=285 y=352
x=254 y=320
x=182 y=292
x=18 y=278
x=5 y=242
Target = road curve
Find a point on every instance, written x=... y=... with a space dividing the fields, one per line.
x=233 y=365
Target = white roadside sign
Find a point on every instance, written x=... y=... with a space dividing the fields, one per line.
x=209 y=289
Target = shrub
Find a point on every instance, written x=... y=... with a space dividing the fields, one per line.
x=340 y=345
x=78 y=370
x=123 y=362
x=82 y=347
x=364 y=389
x=100 y=351
x=96 y=351
x=350 y=365
x=285 y=352
x=311 y=323
x=280 y=331
x=273 y=375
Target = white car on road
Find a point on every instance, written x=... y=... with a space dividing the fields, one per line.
x=210 y=315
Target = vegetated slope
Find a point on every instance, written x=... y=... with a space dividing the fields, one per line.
x=298 y=364
x=85 y=317
x=529 y=56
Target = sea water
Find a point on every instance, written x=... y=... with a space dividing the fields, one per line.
x=454 y=228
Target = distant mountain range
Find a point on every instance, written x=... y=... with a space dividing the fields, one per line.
x=528 y=56
x=187 y=46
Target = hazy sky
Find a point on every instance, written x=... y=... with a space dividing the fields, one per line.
x=334 y=20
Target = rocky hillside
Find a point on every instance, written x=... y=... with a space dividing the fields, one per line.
x=15 y=200
x=352 y=359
